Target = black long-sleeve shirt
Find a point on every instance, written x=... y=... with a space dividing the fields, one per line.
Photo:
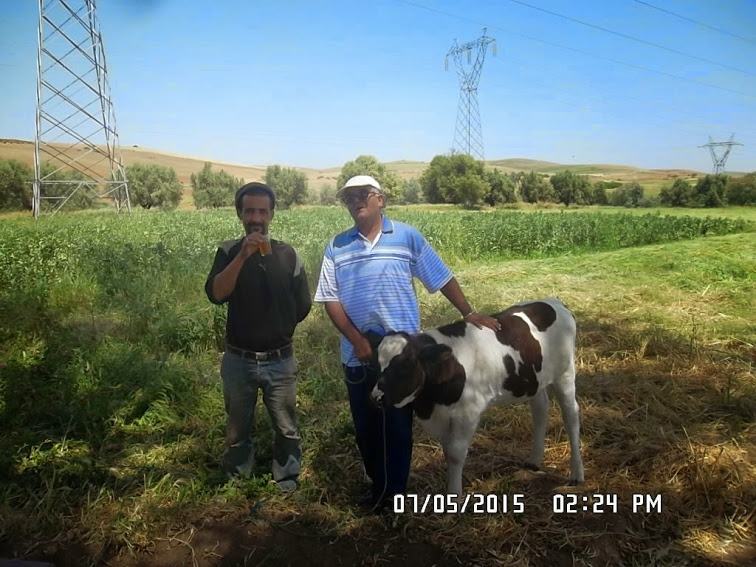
x=269 y=299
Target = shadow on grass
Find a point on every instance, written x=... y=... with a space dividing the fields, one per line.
x=85 y=418
x=661 y=414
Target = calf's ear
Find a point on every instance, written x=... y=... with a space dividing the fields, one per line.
x=441 y=366
x=434 y=354
x=374 y=339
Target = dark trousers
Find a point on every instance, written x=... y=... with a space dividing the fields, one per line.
x=369 y=429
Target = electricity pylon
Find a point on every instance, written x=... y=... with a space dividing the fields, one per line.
x=468 y=133
x=719 y=162
x=75 y=124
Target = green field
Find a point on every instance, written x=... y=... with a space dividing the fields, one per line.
x=112 y=413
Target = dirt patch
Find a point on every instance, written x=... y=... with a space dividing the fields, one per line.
x=229 y=543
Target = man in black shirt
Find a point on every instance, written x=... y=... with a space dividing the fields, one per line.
x=265 y=285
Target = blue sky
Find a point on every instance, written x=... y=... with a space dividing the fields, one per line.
x=315 y=84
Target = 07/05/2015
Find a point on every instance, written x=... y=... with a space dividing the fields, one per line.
x=452 y=504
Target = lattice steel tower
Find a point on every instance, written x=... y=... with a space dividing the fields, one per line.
x=468 y=133
x=719 y=162
x=75 y=125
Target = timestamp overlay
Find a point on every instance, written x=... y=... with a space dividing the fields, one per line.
x=473 y=503
x=609 y=503
x=503 y=503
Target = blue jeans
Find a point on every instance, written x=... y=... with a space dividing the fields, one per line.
x=241 y=380
x=396 y=445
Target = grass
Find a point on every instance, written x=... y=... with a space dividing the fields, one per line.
x=739 y=213
x=742 y=213
x=113 y=421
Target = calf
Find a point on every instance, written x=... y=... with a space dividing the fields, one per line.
x=453 y=373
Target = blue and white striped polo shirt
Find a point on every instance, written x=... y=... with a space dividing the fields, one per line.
x=373 y=281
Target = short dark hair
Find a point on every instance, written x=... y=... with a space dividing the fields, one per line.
x=254 y=188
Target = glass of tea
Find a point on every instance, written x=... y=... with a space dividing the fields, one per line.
x=265 y=248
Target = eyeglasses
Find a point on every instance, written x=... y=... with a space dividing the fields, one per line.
x=361 y=195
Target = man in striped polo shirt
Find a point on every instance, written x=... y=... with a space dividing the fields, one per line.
x=366 y=283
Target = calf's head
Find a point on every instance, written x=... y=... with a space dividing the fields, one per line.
x=409 y=365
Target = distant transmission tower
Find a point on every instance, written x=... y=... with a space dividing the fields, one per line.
x=719 y=162
x=76 y=144
x=468 y=133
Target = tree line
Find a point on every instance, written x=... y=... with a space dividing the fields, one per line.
x=150 y=186
x=460 y=179
x=452 y=178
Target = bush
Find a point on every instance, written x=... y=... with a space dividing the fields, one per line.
x=15 y=185
x=289 y=185
x=328 y=194
x=456 y=178
x=213 y=189
x=152 y=185
x=369 y=165
x=534 y=188
x=597 y=193
x=648 y=202
x=412 y=192
x=629 y=195
x=570 y=188
x=501 y=188
x=742 y=190
x=711 y=191
x=468 y=189
x=681 y=194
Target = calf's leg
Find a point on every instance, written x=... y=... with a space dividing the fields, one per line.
x=564 y=390
x=456 y=443
x=539 y=410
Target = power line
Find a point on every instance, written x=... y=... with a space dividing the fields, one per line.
x=587 y=107
x=695 y=22
x=630 y=37
x=649 y=121
x=256 y=135
x=561 y=46
x=583 y=105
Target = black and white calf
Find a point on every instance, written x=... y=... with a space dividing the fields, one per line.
x=453 y=373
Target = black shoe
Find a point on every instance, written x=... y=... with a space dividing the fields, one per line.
x=371 y=504
x=366 y=501
x=385 y=506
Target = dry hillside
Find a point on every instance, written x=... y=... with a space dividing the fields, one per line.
x=184 y=166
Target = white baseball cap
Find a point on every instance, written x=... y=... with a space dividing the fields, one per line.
x=361 y=181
